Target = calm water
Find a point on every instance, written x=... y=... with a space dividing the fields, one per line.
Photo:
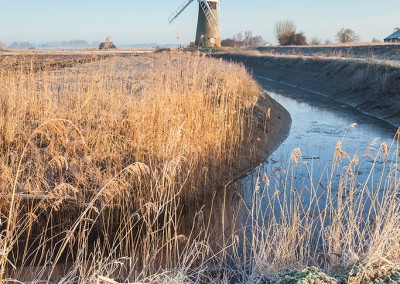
x=318 y=123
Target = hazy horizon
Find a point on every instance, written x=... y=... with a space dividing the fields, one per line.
x=128 y=22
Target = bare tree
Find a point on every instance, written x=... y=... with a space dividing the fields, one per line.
x=2 y=46
x=315 y=41
x=284 y=30
x=248 y=35
x=238 y=37
x=256 y=41
x=346 y=35
x=285 y=33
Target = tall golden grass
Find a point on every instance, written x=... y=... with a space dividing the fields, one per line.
x=105 y=168
x=101 y=161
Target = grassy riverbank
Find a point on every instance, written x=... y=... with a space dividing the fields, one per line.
x=104 y=165
x=370 y=51
x=124 y=170
x=371 y=85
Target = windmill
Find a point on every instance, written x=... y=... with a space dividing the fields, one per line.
x=208 y=32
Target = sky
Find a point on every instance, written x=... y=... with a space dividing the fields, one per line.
x=146 y=21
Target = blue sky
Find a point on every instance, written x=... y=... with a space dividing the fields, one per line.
x=134 y=21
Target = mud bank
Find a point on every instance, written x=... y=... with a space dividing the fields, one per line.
x=371 y=87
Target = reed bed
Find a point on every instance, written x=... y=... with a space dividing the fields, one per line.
x=105 y=169
x=345 y=225
x=101 y=162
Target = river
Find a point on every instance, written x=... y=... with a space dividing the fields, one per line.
x=318 y=124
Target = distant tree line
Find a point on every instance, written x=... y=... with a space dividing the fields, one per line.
x=62 y=44
x=286 y=34
x=21 y=45
x=70 y=43
x=75 y=43
x=245 y=39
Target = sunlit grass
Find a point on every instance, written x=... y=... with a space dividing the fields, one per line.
x=102 y=166
x=107 y=156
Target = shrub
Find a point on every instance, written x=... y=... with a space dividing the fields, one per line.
x=230 y=42
x=285 y=32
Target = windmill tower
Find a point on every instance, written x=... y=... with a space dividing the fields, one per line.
x=208 y=32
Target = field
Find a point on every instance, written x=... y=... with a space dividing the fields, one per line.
x=123 y=169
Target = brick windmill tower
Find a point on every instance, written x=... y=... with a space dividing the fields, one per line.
x=208 y=25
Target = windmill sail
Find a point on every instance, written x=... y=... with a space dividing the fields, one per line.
x=179 y=11
x=212 y=19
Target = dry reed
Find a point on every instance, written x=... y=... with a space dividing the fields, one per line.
x=100 y=162
x=344 y=224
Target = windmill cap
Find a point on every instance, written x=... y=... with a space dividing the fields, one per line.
x=215 y=1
